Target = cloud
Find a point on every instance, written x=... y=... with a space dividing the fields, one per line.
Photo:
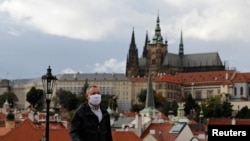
x=81 y=19
x=221 y=20
x=111 y=65
x=108 y=66
x=68 y=71
x=98 y=20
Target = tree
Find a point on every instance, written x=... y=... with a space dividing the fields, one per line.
x=85 y=87
x=215 y=108
x=191 y=105
x=142 y=96
x=167 y=106
x=109 y=100
x=35 y=98
x=82 y=95
x=137 y=107
x=10 y=97
x=67 y=99
x=244 y=113
x=227 y=109
x=158 y=98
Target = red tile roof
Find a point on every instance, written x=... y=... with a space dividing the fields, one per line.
x=28 y=131
x=161 y=131
x=130 y=114
x=207 y=78
x=167 y=78
x=4 y=131
x=159 y=78
x=200 y=78
x=2 y=116
x=125 y=136
x=242 y=77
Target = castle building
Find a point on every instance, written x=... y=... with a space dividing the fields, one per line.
x=156 y=57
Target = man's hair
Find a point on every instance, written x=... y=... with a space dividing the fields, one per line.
x=91 y=86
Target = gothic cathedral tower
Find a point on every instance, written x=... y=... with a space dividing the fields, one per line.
x=153 y=55
x=155 y=51
x=132 y=66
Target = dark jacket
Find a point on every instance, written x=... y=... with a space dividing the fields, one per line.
x=85 y=125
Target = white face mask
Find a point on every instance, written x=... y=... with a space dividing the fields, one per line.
x=95 y=99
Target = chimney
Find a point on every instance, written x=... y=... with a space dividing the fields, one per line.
x=136 y=120
x=233 y=121
x=226 y=77
x=152 y=131
x=139 y=125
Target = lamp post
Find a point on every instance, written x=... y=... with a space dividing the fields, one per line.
x=48 y=85
x=201 y=116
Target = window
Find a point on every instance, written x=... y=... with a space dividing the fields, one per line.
x=153 y=61
x=198 y=95
x=241 y=90
x=249 y=91
x=209 y=93
x=235 y=91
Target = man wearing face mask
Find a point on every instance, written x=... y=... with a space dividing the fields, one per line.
x=91 y=122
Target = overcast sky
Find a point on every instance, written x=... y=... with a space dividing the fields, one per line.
x=90 y=36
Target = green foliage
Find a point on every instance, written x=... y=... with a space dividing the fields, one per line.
x=137 y=107
x=82 y=95
x=244 y=113
x=109 y=100
x=215 y=108
x=158 y=98
x=35 y=98
x=85 y=87
x=167 y=106
x=190 y=105
x=68 y=100
x=142 y=96
x=227 y=109
x=71 y=114
x=10 y=97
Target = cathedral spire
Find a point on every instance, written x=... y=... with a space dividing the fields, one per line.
x=157 y=39
x=150 y=95
x=132 y=43
x=132 y=66
x=181 y=49
x=145 y=52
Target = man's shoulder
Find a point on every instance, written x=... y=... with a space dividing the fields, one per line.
x=82 y=106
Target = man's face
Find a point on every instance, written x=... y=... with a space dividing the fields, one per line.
x=93 y=91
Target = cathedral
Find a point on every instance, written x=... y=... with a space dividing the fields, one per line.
x=157 y=59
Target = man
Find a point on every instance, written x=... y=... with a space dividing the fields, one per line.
x=91 y=122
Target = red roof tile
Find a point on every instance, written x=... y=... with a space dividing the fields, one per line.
x=125 y=136
x=206 y=78
x=28 y=131
x=2 y=116
x=161 y=131
x=4 y=131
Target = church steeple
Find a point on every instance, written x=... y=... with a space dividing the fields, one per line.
x=132 y=68
x=149 y=109
x=181 y=49
x=132 y=43
x=145 y=51
x=157 y=39
x=150 y=95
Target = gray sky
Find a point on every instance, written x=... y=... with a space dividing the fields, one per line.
x=90 y=36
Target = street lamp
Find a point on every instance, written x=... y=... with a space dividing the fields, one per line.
x=48 y=85
x=201 y=116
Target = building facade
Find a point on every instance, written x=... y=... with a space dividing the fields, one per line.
x=230 y=84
